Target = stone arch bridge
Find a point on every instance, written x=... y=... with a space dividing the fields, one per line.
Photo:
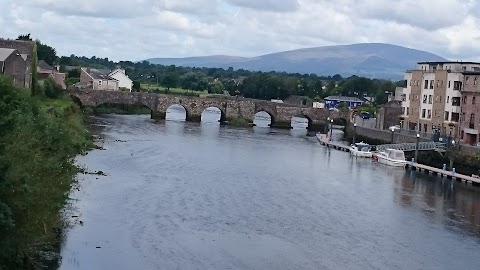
x=231 y=107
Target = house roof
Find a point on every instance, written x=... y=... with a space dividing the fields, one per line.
x=342 y=98
x=5 y=53
x=43 y=65
x=98 y=74
x=119 y=70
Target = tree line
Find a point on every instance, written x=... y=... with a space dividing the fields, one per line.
x=250 y=84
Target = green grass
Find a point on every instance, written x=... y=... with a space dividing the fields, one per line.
x=154 y=87
x=59 y=104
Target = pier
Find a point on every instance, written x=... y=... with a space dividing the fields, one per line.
x=442 y=173
x=342 y=146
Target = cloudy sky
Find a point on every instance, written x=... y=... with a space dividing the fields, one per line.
x=140 y=29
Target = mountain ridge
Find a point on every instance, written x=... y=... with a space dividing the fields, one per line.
x=374 y=60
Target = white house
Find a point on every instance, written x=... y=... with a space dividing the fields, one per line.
x=122 y=78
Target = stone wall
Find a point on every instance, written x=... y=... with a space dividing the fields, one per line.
x=230 y=107
x=386 y=136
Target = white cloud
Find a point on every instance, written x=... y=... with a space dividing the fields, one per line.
x=139 y=29
x=269 y=5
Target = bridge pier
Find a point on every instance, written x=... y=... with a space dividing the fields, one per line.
x=194 y=118
x=158 y=115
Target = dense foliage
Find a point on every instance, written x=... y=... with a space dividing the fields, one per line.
x=260 y=85
x=38 y=141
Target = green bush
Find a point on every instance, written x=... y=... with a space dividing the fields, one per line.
x=37 y=148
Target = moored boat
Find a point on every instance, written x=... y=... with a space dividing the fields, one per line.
x=361 y=149
x=391 y=157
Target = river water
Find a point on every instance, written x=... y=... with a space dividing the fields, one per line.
x=182 y=195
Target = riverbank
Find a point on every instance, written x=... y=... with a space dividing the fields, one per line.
x=39 y=139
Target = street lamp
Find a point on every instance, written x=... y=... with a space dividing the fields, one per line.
x=354 y=131
x=416 y=147
x=331 y=129
x=326 y=125
x=392 y=129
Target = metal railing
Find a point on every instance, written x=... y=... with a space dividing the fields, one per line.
x=422 y=146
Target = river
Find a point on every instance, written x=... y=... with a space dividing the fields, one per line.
x=181 y=195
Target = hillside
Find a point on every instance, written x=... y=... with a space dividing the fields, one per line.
x=365 y=59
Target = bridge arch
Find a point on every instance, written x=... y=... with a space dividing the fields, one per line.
x=260 y=116
x=173 y=111
x=220 y=107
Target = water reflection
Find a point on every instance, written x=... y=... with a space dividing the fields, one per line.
x=441 y=200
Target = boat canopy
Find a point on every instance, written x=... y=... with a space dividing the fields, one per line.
x=396 y=154
x=365 y=147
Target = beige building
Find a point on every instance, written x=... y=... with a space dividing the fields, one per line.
x=470 y=104
x=431 y=100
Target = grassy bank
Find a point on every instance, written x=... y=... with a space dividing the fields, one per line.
x=39 y=139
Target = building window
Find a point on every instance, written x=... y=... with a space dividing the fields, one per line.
x=448 y=99
x=455 y=117
x=466 y=80
x=462 y=117
x=447 y=114
x=464 y=100
x=430 y=99
x=475 y=81
x=455 y=101
x=429 y=114
x=426 y=85
x=472 y=121
x=431 y=84
x=409 y=96
x=407 y=110
x=473 y=100
x=423 y=113
x=436 y=113
x=416 y=97
x=438 y=83
x=464 y=68
x=425 y=99
x=404 y=97
x=448 y=84
x=457 y=85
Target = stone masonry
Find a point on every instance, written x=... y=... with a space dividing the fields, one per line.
x=230 y=107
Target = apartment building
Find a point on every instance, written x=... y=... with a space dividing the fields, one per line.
x=470 y=104
x=432 y=98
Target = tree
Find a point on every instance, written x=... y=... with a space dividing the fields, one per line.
x=46 y=53
x=216 y=87
x=136 y=86
x=170 y=80
x=24 y=37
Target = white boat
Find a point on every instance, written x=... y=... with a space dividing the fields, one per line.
x=391 y=157
x=361 y=149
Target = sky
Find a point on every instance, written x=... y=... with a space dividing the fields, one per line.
x=141 y=29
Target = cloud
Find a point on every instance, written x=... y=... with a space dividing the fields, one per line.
x=140 y=29
x=269 y=5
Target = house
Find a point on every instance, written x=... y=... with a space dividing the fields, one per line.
x=351 y=102
x=46 y=71
x=25 y=50
x=13 y=64
x=440 y=97
x=123 y=81
x=97 y=80
x=389 y=115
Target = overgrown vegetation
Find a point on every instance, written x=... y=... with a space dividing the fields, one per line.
x=39 y=137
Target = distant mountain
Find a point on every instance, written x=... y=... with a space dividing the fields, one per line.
x=374 y=60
